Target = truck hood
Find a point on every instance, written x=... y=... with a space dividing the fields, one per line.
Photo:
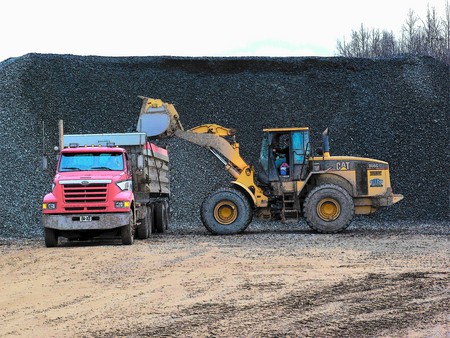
x=89 y=176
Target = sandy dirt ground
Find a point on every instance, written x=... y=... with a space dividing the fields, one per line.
x=391 y=282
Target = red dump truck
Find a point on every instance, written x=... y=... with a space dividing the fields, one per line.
x=114 y=184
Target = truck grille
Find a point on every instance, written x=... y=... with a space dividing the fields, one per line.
x=81 y=194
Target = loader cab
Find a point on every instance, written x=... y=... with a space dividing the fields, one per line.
x=284 y=154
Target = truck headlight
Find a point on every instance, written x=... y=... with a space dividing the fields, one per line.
x=122 y=204
x=49 y=206
x=124 y=185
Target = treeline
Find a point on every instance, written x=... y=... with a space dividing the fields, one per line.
x=429 y=36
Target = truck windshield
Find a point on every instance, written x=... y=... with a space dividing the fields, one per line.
x=91 y=161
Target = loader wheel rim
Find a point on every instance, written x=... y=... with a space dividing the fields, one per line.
x=328 y=209
x=225 y=212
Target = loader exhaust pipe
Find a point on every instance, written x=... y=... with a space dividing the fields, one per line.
x=326 y=143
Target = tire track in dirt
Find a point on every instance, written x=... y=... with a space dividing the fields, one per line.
x=377 y=304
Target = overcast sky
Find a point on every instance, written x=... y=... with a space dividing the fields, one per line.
x=195 y=27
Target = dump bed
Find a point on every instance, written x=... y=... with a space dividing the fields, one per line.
x=150 y=178
x=153 y=180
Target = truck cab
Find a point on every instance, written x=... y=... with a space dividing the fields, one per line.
x=102 y=187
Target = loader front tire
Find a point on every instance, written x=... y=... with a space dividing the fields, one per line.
x=329 y=208
x=226 y=212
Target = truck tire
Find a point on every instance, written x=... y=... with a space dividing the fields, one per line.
x=329 y=208
x=127 y=231
x=149 y=219
x=226 y=212
x=160 y=217
x=50 y=237
x=144 y=228
x=167 y=205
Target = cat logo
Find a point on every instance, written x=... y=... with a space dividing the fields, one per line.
x=376 y=182
x=342 y=165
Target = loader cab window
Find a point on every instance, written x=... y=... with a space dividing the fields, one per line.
x=275 y=156
x=284 y=155
x=281 y=151
x=264 y=155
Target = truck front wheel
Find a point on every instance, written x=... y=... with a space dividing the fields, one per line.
x=127 y=231
x=329 y=208
x=50 y=237
x=226 y=212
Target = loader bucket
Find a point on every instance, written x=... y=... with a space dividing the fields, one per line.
x=158 y=119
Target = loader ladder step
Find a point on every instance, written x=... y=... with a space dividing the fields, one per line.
x=289 y=212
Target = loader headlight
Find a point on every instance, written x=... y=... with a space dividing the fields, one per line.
x=49 y=206
x=124 y=185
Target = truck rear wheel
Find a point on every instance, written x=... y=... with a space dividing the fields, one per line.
x=149 y=219
x=127 y=231
x=226 y=212
x=50 y=237
x=329 y=208
x=144 y=228
x=161 y=217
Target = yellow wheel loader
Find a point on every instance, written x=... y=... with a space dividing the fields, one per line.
x=293 y=180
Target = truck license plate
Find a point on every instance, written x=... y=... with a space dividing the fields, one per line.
x=85 y=218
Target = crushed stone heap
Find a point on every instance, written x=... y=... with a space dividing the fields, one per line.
x=394 y=109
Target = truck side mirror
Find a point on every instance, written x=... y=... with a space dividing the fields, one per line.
x=140 y=162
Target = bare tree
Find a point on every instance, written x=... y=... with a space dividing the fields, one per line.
x=410 y=34
x=446 y=30
x=389 y=44
x=432 y=32
x=430 y=36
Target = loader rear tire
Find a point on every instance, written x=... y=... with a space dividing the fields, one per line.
x=127 y=232
x=50 y=237
x=226 y=212
x=329 y=208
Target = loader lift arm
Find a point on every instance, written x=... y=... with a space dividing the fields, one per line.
x=211 y=136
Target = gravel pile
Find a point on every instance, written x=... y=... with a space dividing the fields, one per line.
x=393 y=109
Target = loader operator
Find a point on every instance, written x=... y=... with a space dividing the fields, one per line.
x=281 y=152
